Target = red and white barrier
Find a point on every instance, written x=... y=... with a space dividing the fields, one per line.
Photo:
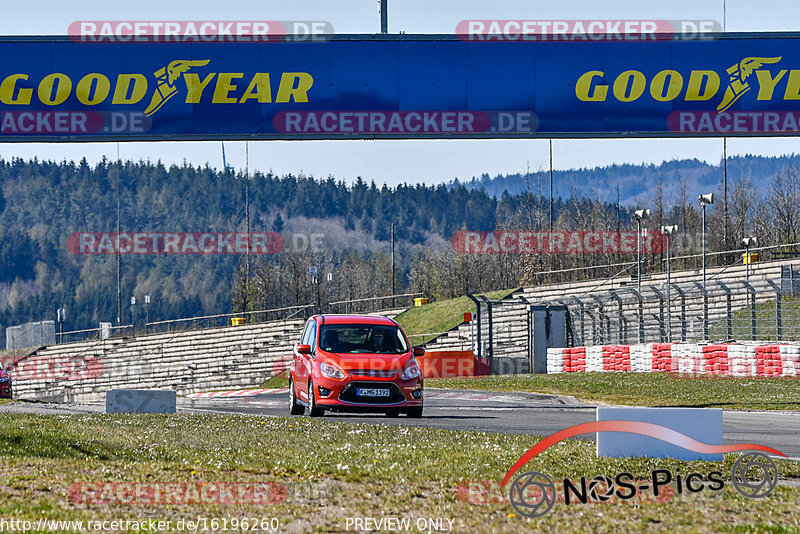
x=736 y=359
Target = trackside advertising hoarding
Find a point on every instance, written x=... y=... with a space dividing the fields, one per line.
x=56 y=89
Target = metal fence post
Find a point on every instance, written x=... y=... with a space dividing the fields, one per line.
x=478 y=310
x=491 y=327
x=728 y=310
x=752 y=293
x=594 y=327
x=778 y=310
x=682 y=295
x=662 y=333
x=600 y=319
x=778 y=318
x=620 y=317
x=582 y=312
x=639 y=314
x=703 y=292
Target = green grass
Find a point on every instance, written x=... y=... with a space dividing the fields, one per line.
x=646 y=389
x=332 y=471
x=439 y=316
x=281 y=380
x=766 y=327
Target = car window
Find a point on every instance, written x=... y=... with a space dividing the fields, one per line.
x=306 y=332
x=363 y=339
x=312 y=337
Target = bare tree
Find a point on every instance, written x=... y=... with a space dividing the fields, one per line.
x=784 y=201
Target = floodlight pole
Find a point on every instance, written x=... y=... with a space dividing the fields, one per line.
x=669 y=283
x=639 y=254
x=247 y=216
x=725 y=192
x=668 y=231
x=747 y=262
x=748 y=242
x=119 y=257
x=704 y=246
x=639 y=214
x=551 y=186
x=393 y=266
x=384 y=16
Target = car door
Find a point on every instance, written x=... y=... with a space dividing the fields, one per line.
x=305 y=361
x=298 y=362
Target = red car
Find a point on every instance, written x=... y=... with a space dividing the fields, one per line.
x=5 y=383
x=356 y=364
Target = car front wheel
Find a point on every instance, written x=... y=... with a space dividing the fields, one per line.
x=295 y=408
x=416 y=413
x=313 y=409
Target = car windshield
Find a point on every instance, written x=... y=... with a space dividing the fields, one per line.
x=362 y=339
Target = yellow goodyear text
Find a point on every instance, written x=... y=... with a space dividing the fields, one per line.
x=668 y=85
x=95 y=88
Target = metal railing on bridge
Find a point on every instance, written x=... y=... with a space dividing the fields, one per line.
x=373 y=304
x=228 y=319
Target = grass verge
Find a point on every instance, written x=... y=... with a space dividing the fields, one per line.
x=332 y=471
x=439 y=316
x=281 y=380
x=646 y=389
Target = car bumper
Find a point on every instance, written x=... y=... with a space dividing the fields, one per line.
x=343 y=395
x=5 y=390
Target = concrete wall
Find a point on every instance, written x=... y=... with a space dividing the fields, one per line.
x=186 y=362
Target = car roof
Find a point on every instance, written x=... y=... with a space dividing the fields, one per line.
x=355 y=319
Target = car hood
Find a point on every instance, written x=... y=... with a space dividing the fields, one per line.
x=373 y=362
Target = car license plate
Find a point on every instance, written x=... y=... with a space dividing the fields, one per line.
x=372 y=392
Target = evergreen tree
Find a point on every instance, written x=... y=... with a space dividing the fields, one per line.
x=277 y=223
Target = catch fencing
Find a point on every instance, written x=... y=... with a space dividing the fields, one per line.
x=726 y=307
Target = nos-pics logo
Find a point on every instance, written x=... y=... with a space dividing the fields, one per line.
x=532 y=494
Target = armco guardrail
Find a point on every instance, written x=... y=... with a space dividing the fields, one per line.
x=734 y=359
x=186 y=362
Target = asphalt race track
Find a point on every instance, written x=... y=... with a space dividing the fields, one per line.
x=515 y=413
x=486 y=411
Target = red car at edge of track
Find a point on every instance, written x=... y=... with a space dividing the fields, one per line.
x=354 y=363
x=5 y=383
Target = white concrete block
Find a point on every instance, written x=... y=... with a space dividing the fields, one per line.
x=701 y=424
x=140 y=401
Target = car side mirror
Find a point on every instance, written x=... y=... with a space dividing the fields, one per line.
x=304 y=349
x=419 y=351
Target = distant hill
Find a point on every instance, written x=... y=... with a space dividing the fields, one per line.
x=42 y=203
x=636 y=182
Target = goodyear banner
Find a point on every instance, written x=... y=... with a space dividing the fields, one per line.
x=398 y=87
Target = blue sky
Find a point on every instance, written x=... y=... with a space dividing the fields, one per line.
x=394 y=162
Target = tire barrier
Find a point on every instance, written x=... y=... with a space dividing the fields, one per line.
x=765 y=360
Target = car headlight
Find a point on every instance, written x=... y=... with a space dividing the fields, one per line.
x=331 y=371
x=412 y=371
